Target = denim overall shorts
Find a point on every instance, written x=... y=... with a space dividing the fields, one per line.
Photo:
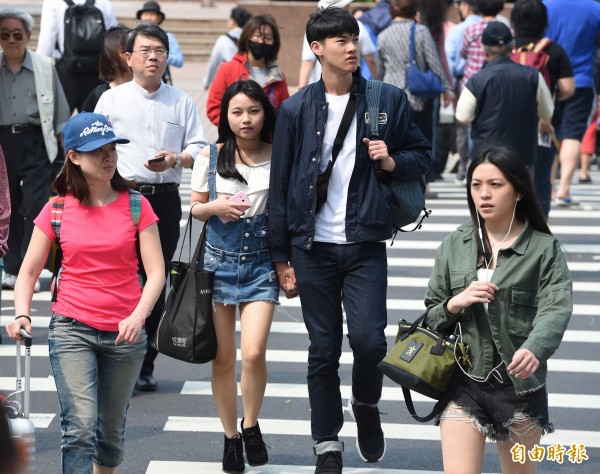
x=238 y=254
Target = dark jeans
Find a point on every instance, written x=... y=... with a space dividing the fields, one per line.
x=29 y=173
x=167 y=206
x=424 y=120
x=541 y=177
x=328 y=276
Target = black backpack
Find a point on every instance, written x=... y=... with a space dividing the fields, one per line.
x=84 y=34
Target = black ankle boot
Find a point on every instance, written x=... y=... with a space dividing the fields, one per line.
x=256 y=449
x=233 y=455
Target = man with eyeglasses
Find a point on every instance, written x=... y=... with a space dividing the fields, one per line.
x=166 y=134
x=33 y=111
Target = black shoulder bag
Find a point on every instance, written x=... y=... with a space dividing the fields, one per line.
x=323 y=178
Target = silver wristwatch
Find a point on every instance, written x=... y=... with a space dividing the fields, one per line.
x=177 y=162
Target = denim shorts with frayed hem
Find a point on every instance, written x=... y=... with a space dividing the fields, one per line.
x=496 y=411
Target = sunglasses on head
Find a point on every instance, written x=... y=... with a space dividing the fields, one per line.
x=17 y=35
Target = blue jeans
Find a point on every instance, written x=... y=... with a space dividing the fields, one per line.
x=327 y=276
x=94 y=381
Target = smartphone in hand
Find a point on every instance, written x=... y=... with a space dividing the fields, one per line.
x=238 y=197
x=157 y=160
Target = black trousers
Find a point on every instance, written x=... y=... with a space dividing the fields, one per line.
x=167 y=207
x=29 y=175
x=76 y=86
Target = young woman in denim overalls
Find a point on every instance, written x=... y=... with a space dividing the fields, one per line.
x=237 y=252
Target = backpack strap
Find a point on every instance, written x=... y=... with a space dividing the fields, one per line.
x=56 y=214
x=541 y=45
x=373 y=94
x=135 y=204
x=212 y=169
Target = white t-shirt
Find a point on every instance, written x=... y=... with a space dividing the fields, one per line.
x=366 y=47
x=257 y=188
x=330 y=222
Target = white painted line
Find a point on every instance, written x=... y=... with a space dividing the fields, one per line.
x=38 y=384
x=288 y=356
x=41 y=420
x=288 y=390
x=183 y=467
x=591 y=439
x=428 y=263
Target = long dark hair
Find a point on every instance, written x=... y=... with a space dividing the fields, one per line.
x=111 y=64
x=528 y=207
x=226 y=158
x=71 y=180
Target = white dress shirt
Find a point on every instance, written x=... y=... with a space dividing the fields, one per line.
x=52 y=24
x=165 y=120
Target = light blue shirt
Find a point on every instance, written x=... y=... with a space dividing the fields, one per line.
x=175 y=54
x=453 y=44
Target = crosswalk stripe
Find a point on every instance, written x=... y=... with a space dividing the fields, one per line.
x=280 y=327
x=186 y=467
x=590 y=439
x=428 y=263
x=287 y=390
x=290 y=356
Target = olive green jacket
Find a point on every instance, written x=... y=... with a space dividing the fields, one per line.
x=531 y=309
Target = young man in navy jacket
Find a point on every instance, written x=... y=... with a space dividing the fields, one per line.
x=337 y=255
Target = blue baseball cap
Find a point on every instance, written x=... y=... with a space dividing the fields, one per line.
x=88 y=132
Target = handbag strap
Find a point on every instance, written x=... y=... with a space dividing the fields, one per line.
x=412 y=42
x=212 y=170
x=437 y=408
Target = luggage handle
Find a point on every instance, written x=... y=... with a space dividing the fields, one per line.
x=27 y=391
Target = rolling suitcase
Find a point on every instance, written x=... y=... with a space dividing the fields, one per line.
x=20 y=424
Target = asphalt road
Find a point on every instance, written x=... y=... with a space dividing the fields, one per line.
x=175 y=430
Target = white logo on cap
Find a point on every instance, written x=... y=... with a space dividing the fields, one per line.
x=96 y=127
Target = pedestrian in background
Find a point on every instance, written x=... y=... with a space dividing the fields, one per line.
x=236 y=250
x=33 y=111
x=113 y=67
x=472 y=50
x=529 y=19
x=151 y=12
x=226 y=45
x=166 y=134
x=4 y=217
x=575 y=25
x=507 y=104
x=256 y=58
x=502 y=283
x=97 y=338
x=335 y=256
x=51 y=40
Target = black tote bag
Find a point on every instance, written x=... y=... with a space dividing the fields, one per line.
x=186 y=330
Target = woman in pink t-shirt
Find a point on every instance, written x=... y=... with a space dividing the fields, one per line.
x=97 y=339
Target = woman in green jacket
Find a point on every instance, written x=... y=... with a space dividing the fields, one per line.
x=503 y=283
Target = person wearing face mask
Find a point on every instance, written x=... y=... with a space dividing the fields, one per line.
x=258 y=47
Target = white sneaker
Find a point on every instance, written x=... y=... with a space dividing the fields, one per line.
x=8 y=281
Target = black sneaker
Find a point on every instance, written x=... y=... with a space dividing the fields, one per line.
x=329 y=462
x=370 y=442
x=256 y=449
x=233 y=455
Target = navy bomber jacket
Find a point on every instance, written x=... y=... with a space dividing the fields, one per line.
x=297 y=150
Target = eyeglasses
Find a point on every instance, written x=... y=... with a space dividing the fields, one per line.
x=145 y=52
x=17 y=35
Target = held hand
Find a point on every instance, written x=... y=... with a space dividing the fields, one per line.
x=287 y=279
x=129 y=330
x=476 y=292
x=447 y=98
x=524 y=364
x=545 y=127
x=378 y=151
x=158 y=166
x=14 y=327
x=231 y=210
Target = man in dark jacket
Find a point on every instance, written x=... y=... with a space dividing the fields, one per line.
x=336 y=254
x=505 y=100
